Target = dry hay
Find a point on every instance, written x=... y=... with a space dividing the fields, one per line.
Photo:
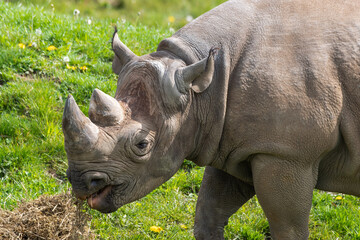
x=48 y=217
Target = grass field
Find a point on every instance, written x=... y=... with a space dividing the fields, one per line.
x=151 y=13
x=44 y=56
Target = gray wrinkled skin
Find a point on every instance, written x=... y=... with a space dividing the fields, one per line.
x=264 y=93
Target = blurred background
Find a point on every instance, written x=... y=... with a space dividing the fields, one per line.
x=151 y=13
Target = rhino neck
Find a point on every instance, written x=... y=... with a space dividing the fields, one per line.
x=202 y=127
x=192 y=43
x=177 y=47
x=209 y=110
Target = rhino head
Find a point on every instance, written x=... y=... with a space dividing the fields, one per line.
x=134 y=142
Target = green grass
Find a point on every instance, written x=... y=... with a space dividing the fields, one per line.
x=141 y=11
x=34 y=83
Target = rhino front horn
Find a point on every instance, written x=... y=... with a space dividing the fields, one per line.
x=79 y=132
x=105 y=110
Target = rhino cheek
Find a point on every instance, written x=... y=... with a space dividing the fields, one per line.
x=129 y=189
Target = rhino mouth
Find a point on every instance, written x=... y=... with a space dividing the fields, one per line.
x=97 y=200
x=104 y=199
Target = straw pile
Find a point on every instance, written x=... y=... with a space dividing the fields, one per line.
x=48 y=217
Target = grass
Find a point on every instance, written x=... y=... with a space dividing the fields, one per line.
x=173 y=13
x=34 y=83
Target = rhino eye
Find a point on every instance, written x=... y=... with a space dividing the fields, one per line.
x=143 y=144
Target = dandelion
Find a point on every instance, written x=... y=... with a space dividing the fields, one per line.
x=189 y=18
x=71 y=67
x=84 y=68
x=155 y=229
x=51 y=48
x=38 y=31
x=171 y=19
x=183 y=226
x=89 y=21
x=339 y=198
x=21 y=45
x=76 y=12
x=66 y=59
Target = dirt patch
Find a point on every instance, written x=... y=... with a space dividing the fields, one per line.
x=34 y=77
x=48 y=217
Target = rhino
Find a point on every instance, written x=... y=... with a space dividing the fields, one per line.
x=264 y=93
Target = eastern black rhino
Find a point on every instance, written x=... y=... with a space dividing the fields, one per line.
x=264 y=93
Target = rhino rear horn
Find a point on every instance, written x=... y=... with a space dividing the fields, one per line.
x=104 y=109
x=123 y=54
x=79 y=132
x=197 y=76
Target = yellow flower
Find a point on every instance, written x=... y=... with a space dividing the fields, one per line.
x=32 y=44
x=171 y=19
x=183 y=226
x=70 y=67
x=339 y=198
x=155 y=229
x=51 y=48
x=84 y=68
x=21 y=45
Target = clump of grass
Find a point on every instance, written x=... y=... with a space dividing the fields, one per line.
x=48 y=217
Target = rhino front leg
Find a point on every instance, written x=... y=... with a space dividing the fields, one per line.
x=284 y=190
x=220 y=196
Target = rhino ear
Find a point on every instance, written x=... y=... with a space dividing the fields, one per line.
x=116 y=65
x=197 y=76
x=123 y=54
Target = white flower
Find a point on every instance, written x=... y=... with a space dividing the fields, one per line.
x=76 y=12
x=66 y=59
x=38 y=31
x=171 y=30
x=33 y=44
x=89 y=21
x=189 y=18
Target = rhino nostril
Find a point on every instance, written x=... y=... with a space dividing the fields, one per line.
x=95 y=180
